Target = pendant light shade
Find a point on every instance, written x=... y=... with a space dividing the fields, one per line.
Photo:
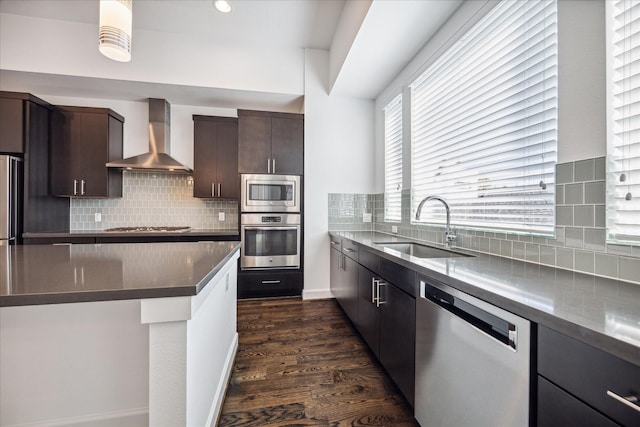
x=115 y=29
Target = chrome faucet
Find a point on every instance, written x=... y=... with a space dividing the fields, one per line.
x=448 y=235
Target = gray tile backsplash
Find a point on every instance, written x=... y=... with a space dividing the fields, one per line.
x=154 y=199
x=579 y=243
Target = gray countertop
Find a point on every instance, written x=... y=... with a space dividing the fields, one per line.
x=601 y=312
x=52 y=274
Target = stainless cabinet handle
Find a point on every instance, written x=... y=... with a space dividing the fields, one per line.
x=82 y=187
x=268 y=165
x=75 y=187
x=373 y=290
x=274 y=166
x=270 y=282
x=349 y=250
x=219 y=190
x=213 y=190
x=630 y=401
x=335 y=243
x=378 y=300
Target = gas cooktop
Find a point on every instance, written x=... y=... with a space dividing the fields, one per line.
x=159 y=229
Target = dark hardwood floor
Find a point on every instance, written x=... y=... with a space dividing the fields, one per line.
x=301 y=363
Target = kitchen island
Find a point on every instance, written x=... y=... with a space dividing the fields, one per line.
x=126 y=334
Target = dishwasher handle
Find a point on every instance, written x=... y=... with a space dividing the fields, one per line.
x=490 y=324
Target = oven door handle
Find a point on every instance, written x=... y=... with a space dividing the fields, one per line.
x=266 y=227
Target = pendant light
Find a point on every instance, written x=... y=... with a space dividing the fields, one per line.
x=115 y=29
x=223 y=6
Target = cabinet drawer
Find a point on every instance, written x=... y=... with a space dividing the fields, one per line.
x=350 y=249
x=369 y=260
x=400 y=276
x=589 y=373
x=264 y=283
x=558 y=408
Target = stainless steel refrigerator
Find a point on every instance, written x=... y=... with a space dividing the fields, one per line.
x=11 y=186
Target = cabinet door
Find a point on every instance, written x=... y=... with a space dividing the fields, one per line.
x=227 y=160
x=11 y=122
x=397 y=338
x=204 y=158
x=90 y=153
x=558 y=408
x=62 y=171
x=368 y=315
x=287 y=145
x=350 y=289
x=335 y=273
x=254 y=144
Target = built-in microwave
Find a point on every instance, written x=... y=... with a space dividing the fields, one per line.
x=270 y=193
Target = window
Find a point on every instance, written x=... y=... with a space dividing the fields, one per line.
x=623 y=117
x=484 y=123
x=393 y=159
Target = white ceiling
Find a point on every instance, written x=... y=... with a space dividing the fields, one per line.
x=374 y=58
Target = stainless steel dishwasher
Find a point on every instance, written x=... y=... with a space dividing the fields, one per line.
x=472 y=361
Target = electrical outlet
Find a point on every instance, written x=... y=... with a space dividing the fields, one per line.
x=97 y=217
x=394 y=228
x=220 y=216
x=366 y=217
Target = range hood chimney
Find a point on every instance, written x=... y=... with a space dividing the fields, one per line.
x=157 y=159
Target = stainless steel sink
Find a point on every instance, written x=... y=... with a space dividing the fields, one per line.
x=420 y=251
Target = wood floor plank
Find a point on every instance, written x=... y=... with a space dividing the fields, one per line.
x=301 y=363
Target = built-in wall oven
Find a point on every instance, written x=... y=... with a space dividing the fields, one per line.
x=270 y=193
x=270 y=240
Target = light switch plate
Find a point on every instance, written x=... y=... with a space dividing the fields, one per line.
x=366 y=217
x=220 y=216
x=97 y=217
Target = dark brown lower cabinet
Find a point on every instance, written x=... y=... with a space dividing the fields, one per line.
x=557 y=408
x=588 y=378
x=269 y=283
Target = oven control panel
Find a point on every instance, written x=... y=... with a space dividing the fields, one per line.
x=271 y=219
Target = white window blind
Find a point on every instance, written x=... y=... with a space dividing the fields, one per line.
x=623 y=112
x=393 y=159
x=484 y=123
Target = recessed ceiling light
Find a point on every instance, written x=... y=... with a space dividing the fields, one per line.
x=222 y=5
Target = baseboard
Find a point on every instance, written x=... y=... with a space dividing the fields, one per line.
x=221 y=390
x=127 y=418
x=316 y=294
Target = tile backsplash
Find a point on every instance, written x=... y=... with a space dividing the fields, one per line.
x=579 y=243
x=153 y=199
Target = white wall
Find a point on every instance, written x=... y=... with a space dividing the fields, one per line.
x=339 y=143
x=581 y=81
x=49 y=355
x=136 y=124
x=61 y=47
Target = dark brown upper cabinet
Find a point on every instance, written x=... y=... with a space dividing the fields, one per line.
x=84 y=140
x=270 y=142
x=25 y=132
x=215 y=157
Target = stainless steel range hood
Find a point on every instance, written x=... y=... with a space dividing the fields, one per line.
x=157 y=159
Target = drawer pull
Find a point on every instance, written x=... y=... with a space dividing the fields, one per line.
x=349 y=250
x=335 y=243
x=630 y=401
x=270 y=282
